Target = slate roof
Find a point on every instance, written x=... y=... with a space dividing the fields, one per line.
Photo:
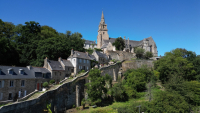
x=92 y=57
x=132 y=43
x=90 y=42
x=16 y=75
x=82 y=55
x=67 y=63
x=101 y=54
x=40 y=69
x=55 y=65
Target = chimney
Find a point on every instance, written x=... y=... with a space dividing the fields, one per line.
x=46 y=60
x=29 y=67
x=86 y=53
x=72 y=52
x=59 y=59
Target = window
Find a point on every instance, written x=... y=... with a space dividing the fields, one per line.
x=10 y=71
x=22 y=82
x=25 y=93
x=1 y=84
x=11 y=83
x=43 y=75
x=21 y=71
x=87 y=67
x=88 y=61
x=10 y=96
x=84 y=61
x=60 y=73
x=55 y=73
x=1 y=96
x=0 y=71
x=80 y=60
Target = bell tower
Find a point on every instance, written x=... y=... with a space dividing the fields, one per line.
x=102 y=32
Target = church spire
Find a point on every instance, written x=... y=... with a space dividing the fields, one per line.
x=102 y=16
x=102 y=19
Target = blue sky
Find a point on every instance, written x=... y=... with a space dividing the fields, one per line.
x=171 y=23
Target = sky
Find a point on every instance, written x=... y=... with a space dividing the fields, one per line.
x=171 y=23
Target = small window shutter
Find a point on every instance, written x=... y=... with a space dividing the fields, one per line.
x=2 y=83
x=25 y=93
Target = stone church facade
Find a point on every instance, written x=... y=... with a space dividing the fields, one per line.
x=104 y=42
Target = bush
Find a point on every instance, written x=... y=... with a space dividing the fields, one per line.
x=148 y=55
x=45 y=84
x=52 y=81
x=139 y=52
x=73 y=106
x=118 y=92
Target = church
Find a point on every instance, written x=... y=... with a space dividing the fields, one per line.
x=104 y=42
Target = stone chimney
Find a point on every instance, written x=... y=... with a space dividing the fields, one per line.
x=46 y=60
x=72 y=52
x=59 y=59
x=29 y=67
x=87 y=53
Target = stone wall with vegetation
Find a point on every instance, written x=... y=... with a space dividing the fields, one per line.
x=134 y=64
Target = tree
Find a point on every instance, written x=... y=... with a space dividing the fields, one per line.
x=139 y=52
x=167 y=102
x=119 y=43
x=118 y=92
x=27 y=42
x=174 y=63
x=148 y=55
x=95 y=88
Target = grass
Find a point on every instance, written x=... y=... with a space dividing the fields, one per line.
x=112 y=108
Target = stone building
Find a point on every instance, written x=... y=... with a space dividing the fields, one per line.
x=104 y=42
x=100 y=57
x=80 y=61
x=90 y=44
x=17 y=82
x=56 y=69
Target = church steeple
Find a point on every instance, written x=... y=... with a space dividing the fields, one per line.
x=102 y=32
x=102 y=16
x=102 y=19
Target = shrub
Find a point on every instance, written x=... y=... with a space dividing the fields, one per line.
x=52 y=81
x=148 y=55
x=77 y=108
x=139 y=52
x=73 y=106
x=45 y=84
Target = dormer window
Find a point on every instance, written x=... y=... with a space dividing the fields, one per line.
x=21 y=71
x=10 y=71
x=0 y=71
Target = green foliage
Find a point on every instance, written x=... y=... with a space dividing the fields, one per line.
x=45 y=84
x=97 y=49
x=90 y=51
x=73 y=106
x=31 y=43
x=49 y=108
x=167 y=102
x=118 y=92
x=148 y=55
x=96 y=88
x=77 y=108
x=52 y=81
x=119 y=43
x=173 y=63
x=139 y=52
x=83 y=102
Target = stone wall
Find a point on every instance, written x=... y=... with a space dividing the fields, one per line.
x=134 y=64
x=120 y=55
x=62 y=98
x=111 y=70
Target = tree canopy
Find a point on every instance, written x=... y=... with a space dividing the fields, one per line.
x=119 y=43
x=30 y=43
